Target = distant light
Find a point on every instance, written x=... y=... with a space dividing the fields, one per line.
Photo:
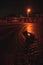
x=28 y=10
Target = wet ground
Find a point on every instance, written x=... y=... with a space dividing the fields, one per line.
x=12 y=42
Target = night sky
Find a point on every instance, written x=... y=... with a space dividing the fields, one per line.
x=10 y=7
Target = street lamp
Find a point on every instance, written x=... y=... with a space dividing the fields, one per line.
x=28 y=12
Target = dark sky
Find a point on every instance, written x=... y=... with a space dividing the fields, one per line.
x=8 y=7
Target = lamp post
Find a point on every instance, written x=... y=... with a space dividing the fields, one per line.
x=28 y=12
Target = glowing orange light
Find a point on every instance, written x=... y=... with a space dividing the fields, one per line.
x=28 y=10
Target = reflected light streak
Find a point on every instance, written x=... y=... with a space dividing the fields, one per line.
x=30 y=28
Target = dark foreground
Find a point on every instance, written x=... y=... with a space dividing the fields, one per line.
x=12 y=44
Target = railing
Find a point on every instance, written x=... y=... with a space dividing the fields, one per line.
x=22 y=19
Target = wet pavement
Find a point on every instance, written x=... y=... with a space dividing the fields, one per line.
x=12 y=43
